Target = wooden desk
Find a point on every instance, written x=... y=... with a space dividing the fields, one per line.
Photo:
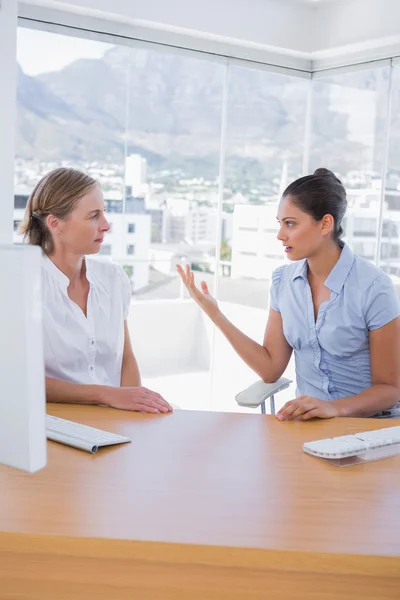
x=201 y=506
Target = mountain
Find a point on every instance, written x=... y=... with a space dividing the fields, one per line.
x=52 y=128
x=168 y=107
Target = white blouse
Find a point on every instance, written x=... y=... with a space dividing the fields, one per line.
x=83 y=349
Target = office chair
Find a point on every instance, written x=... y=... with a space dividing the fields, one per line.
x=259 y=392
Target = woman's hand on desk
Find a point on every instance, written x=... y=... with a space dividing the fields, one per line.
x=307 y=407
x=203 y=296
x=138 y=398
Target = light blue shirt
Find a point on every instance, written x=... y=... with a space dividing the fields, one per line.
x=332 y=355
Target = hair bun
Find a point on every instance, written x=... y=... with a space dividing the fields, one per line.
x=322 y=172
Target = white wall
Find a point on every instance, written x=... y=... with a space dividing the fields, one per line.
x=271 y=22
x=354 y=22
x=8 y=73
x=169 y=337
x=353 y=31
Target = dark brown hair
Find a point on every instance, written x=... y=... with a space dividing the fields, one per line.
x=318 y=195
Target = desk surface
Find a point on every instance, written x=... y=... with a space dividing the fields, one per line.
x=211 y=479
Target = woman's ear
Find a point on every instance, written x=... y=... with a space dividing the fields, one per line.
x=327 y=224
x=52 y=223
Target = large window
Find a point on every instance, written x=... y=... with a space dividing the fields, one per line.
x=192 y=153
x=390 y=232
x=146 y=123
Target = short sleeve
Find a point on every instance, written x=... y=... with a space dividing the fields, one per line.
x=126 y=291
x=275 y=286
x=381 y=304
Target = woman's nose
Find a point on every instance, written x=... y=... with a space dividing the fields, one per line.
x=106 y=225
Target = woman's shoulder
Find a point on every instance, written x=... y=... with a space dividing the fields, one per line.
x=112 y=280
x=364 y=274
x=105 y=273
x=376 y=293
x=103 y=268
x=279 y=279
x=286 y=273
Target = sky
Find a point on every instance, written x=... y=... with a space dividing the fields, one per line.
x=40 y=51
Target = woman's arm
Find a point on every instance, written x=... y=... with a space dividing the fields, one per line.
x=130 y=396
x=130 y=375
x=269 y=359
x=125 y=398
x=385 y=371
x=74 y=393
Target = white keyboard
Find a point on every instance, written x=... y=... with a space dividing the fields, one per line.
x=80 y=436
x=353 y=445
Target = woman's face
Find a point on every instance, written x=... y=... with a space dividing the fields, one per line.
x=301 y=235
x=84 y=230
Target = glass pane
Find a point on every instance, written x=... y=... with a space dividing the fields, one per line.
x=348 y=134
x=146 y=124
x=390 y=233
x=67 y=116
x=170 y=212
x=265 y=147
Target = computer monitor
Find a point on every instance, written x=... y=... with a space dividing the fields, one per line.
x=22 y=378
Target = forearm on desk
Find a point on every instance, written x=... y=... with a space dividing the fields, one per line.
x=74 y=393
x=369 y=402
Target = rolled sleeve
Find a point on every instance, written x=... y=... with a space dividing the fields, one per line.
x=381 y=303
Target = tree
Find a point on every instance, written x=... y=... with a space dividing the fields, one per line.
x=226 y=256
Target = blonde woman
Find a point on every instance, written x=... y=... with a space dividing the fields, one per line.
x=88 y=352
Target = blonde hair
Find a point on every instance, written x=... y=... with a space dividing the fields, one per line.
x=57 y=193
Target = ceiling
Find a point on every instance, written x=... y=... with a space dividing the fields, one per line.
x=299 y=34
x=311 y=1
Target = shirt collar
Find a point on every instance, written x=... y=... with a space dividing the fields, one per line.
x=58 y=275
x=337 y=276
x=300 y=269
x=340 y=271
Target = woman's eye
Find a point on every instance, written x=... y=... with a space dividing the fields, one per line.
x=289 y=223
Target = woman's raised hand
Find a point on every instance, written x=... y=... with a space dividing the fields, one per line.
x=202 y=296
